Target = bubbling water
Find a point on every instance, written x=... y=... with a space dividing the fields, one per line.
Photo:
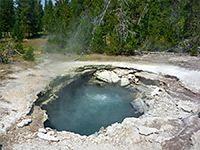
x=84 y=108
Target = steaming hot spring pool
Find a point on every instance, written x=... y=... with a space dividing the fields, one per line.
x=84 y=108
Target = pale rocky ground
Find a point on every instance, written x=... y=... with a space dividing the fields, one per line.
x=172 y=122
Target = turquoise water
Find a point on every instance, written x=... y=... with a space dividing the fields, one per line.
x=84 y=109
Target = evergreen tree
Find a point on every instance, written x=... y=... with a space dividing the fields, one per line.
x=38 y=13
x=7 y=14
x=29 y=15
x=17 y=33
x=2 y=22
x=122 y=26
x=77 y=8
x=62 y=16
x=29 y=54
x=48 y=18
x=98 y=43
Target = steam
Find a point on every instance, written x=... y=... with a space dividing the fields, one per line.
x=73 y=41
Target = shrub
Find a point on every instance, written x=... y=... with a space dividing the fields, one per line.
x=3 y=57
x=29 y=55
x=0 y=34
x=194 y=51
x=19 y=47
x=112 y=49
x=17 y=33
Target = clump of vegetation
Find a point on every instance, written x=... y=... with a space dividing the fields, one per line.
x=3 y=57
x=17 y=33
x=6 y=52
x=194 y=51
x=19 y=48
x=29 y=54
x=9 y=50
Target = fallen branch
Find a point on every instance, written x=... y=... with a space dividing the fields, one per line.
x=18 y=52
x=82 y=54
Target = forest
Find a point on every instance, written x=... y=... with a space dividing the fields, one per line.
x=113 y=27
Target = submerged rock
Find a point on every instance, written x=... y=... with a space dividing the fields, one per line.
x=139 y=105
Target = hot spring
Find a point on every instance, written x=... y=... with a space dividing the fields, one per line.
x=83 y=108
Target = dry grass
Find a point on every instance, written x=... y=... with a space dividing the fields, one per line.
x=5 y=70
x=38 y=44
x=100 y=57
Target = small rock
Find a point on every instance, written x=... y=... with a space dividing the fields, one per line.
x=48 y=129
x=104 y=76
x=187 y=106
x=124 y=81
x=136 y=80
x=122 y=72
x=42 y=130
x=147 y=130
x=131 y=76
x=24 y=123
x=114 y=77
x=156 y=91
x=47 y=137
x=51 y=133
x=108 y=76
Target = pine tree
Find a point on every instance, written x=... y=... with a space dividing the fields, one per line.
x=38 y=13
x=6 y=15
x=29 y=54
x=62 y=16
x=122 y=26
x=29 y=15
x=17 y=33
x=77 y=8
x=2 y=22
x=48 y=18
